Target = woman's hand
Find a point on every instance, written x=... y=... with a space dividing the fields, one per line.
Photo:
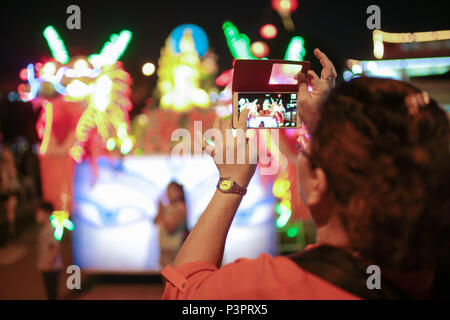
x=309 y=101
x=231 y=153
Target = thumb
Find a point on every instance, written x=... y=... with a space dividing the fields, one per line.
x=303 y=93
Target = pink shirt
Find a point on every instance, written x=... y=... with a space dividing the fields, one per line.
x=263 y=278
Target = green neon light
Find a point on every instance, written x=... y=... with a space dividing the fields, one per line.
x=285 y=215
x=292 y=232
x=238 y=43
x=112 y=50
x=296 y=49
x=56 y=45
x=59 y=223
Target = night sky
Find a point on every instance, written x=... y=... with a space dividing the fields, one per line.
x=337 y=27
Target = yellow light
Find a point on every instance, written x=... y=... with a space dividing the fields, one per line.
x=49 y=68
x=259 y=49
x=122 y=131
x=148 y=69
x=102 y=93
x=76 y=152
x=381 y=36
x=285 y=5
x=200 y=97
x=77 y=89
x=80 y=65
x=378 y=49
x=411 y=37
x=110 y=144
x=48 y=106
x=126 y=147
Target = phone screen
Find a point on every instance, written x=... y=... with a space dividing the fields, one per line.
x=269 y=110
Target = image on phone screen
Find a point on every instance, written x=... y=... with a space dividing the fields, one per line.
x=269 y=110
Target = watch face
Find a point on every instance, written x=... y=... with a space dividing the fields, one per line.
x=225 y=185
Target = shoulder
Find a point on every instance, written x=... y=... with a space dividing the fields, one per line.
x=279 y=267
x=259 y=278
x=268 y=277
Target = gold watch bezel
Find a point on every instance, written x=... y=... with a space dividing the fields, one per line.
x=225 y=184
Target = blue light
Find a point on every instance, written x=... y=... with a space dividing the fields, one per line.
x=409 y=67
x=12 y=96
x=347 y=75
x=200 y=38
x=35 y=84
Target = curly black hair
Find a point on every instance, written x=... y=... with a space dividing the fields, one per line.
x=389 y=171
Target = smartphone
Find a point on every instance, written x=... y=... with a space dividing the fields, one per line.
x=268 y=90
x=268 y=110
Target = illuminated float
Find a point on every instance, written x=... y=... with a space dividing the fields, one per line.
x=84 y=108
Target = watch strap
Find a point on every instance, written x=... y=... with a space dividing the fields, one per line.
x=235 y=187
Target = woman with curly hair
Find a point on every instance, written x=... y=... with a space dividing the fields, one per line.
x=376 y=179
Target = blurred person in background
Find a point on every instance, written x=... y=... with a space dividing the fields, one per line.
x=375 y=176
x=171 y=220
x=49 y=251
x=9 y=188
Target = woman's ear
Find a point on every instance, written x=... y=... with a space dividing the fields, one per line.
x=317 y=187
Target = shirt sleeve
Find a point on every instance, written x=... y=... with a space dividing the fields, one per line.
x=240 y=279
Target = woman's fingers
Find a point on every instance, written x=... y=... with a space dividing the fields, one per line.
x=314 y=79
x=242 y=123
x=328 y=73
x=208 y=148
x=325 y=62
x=303 y=94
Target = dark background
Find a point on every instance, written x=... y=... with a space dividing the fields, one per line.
x=337 y=27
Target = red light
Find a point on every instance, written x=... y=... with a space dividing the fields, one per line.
x=23 y=75
x=285 y=5
x=21 y=88
x=268 y=31
x=38 y=66
x=259 y=49
x=224 y=78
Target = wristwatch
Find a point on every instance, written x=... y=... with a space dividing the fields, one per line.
x=226 y=185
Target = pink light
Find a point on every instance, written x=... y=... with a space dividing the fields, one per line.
x=268 y=31
x=225 y=78
x=23 y=74
x=285 y=5
x=259 y=49
x=21 y=88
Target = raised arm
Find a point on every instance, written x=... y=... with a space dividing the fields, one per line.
x=206 y=241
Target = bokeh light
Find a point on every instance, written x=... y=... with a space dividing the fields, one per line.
x=49 y=68
x=259 y=49
x=148 y=69
x=268 y=31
